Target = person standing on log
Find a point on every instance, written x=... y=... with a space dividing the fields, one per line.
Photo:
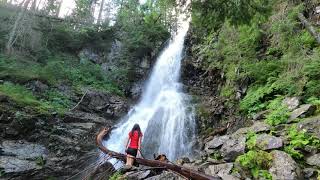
x=133 y=145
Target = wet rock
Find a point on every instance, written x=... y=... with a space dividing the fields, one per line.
x=233 y=147
x=291 y=102
x=284 y=167
x=303 y=111
x=104 y=104
x=228 y=177
x=89 y=54
x=219 y=169
x=311 y=125
x=37 y=86
x=86 y=126
x=83 y=117
x=22 y=150
x=310 y=173
x=137 y=175
x=260 y=115
x=183 y=160
x=165 y=176
x=267 y=142
x=314 y=160
x=216 y=142
x=20 y=156
x=257 y=127
x=11 y=164
x=136 y=90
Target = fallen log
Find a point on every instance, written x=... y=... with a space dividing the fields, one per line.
x=188 y=173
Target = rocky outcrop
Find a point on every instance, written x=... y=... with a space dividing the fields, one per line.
x=233 y=147
x=64 y=143
x=314 y=160
x=284 y=167
x=291 y=102
x=103 y=104
x=303 y=111
x=257 y=127
x=311 y=125
x=268 y=142
x=21 y=156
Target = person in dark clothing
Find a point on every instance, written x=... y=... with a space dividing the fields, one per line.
x=133 y=145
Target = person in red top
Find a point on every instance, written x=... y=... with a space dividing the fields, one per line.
x=133 y=144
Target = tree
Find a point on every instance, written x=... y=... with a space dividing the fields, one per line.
x=13 y=33
x=100 y=11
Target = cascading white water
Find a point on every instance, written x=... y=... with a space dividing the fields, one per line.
x=164 y=113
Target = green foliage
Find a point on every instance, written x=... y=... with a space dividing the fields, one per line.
x=211 y=14
x=257 y=162
x=59 y=102
x=253 y=101
x=59 y=69
x=40 y=161
x=279 y=113
x=19 y=94
x=216 y=155
x=24 y=98
x=116 y=176
x=311 y=70
x=251 y=140
x=299 y=139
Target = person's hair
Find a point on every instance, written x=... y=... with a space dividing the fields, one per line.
x=136 y=127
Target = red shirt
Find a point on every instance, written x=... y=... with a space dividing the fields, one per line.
x=134 y=139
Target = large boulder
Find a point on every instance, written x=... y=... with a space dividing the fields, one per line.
x=21 y=156
x=314 y=160
x=291 y=102
x=104 y=104
x=284 y=167
x=267 y=142
x=311 y=125
x=302 y=111
x=233 y=147
x=216 y=142
x=219 y=169
x=22 y=150
x=257 y=127
x=11 y=164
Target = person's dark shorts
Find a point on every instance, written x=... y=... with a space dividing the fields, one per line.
x=132 y=152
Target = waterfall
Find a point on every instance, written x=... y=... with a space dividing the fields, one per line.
x=164 y=113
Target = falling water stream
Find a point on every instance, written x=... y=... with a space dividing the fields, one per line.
x=164 y=113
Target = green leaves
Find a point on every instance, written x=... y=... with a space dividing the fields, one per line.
x=257 y=162
x=298 y=140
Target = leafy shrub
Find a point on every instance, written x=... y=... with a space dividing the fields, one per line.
x=116 y=176
x=253 y=101
x=251 y=140
x=299 y=139
x=279 y=113
x=257 y=162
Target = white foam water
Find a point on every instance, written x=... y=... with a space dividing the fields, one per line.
x=164 y=113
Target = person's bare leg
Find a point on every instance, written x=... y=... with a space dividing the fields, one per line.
x=128 y=160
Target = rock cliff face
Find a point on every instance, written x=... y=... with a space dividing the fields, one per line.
x=39 y=147
x=205 y=86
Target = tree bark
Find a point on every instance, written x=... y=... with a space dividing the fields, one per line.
x=59 y=8
x=100 y=11
x=13 y=32
x=309 y=27
x=188 y=173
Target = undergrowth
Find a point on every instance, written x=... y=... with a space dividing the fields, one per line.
x=298 y=140
x=257 y=162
